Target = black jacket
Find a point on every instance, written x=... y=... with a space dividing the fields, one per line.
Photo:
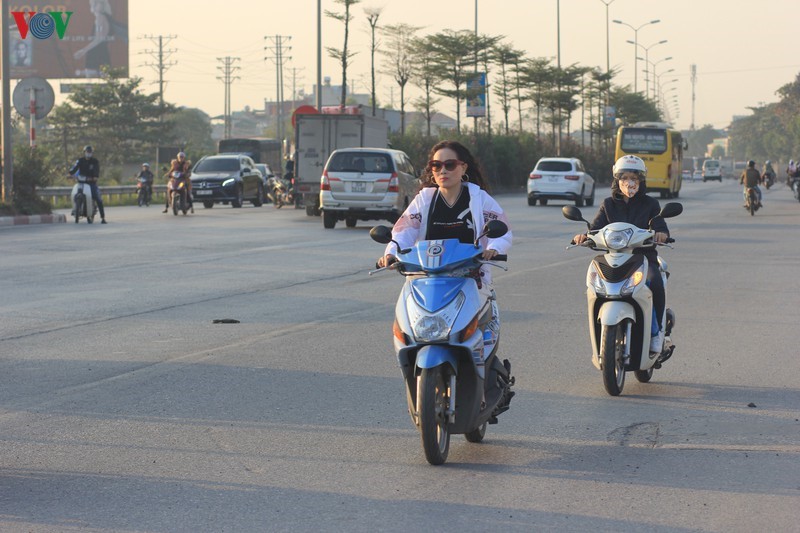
x=638 y=211
x=86 y=167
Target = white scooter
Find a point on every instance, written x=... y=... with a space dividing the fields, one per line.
x=620 y=303
x=446 y=341
x=83 y=203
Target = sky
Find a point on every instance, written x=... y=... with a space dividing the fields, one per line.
x=740 y=48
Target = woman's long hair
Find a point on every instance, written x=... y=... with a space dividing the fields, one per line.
x=474 y=171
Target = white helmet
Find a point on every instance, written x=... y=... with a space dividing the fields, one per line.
x=630 y=163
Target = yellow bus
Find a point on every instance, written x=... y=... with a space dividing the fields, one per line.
x=661 y=148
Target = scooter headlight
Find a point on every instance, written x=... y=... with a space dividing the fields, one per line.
x=431 y=328
x=617 y=239
x=435 y=327
x=594 y=281
x=633 y=281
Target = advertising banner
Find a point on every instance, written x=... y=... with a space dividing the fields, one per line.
x=67 y=38
x=476 y=95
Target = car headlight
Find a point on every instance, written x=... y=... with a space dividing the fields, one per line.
x=633 y=281
x=617 y=239
x=434 y=327
x=228 y=182
x=594 y=281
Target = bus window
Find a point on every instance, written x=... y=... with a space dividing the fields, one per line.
x=643 y=141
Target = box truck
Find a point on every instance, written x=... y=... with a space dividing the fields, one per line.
x=316 y=136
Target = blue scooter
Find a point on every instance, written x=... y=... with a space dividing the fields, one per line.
x=446 y=336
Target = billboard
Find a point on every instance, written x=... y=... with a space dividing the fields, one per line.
x=67 y=38
x=476 y=95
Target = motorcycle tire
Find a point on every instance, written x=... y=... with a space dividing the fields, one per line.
x=752 y=207
x=78 y=207
x=611 y=353
x=477 y=434
x=142 y=199
x=432 y=404
x=643 y=376
x=175 y=202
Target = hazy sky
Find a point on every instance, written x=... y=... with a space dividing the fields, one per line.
x=743 y=49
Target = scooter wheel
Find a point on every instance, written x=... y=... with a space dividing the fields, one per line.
x=477 y=434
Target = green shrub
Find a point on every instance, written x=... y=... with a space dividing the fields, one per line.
x=33 y=169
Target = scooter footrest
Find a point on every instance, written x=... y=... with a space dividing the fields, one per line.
x=664 y=356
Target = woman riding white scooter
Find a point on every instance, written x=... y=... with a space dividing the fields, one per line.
x=629 y=203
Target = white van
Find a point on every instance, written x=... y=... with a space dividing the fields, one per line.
x=711 y=170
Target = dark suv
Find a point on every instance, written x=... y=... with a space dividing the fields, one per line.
x=227 y=178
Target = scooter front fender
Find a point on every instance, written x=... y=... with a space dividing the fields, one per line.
x=615 y=311
x=434 y=355
x=610 y=313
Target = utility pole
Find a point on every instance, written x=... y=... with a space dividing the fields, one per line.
x=277 y=49
x=161 y=65
x=5 y=109
x=295 y=71
x=227 y=78
x=694 y=81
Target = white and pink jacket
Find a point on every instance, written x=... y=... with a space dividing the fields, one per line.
x=412 y=226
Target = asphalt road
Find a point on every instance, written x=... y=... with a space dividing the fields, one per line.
x=123 y=407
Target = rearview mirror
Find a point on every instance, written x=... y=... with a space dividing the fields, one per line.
x=572 y=213
x=671 y=209
x=495 y=229
x=381 y=234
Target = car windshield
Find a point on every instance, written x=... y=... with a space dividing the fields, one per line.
x=359 y=162
x=554 y=166
x=217 y=165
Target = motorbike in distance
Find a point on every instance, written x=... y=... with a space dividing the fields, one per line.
x=794 y=184
x=144 y=191
x=178 y=191
x=751 y=201
x=620 y=303
x=280 y=192
x=83 y=202
x=446 y=340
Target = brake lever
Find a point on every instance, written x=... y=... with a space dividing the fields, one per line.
x=491 y=263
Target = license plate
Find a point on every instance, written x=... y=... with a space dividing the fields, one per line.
x=204 y=193
x=358 y=186
x=553 y=178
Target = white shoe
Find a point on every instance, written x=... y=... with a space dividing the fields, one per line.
x=657 y=342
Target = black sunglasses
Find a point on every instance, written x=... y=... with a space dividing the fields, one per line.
x=449 y=165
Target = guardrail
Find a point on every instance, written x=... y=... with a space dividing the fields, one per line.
x=53 y=194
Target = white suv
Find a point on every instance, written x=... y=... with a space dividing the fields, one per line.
x=366 y=184
x=560 y=178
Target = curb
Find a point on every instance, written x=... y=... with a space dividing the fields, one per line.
x=25 y=220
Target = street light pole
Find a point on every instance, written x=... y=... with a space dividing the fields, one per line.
x=608 y=54
x=655 y=76
x=558 y=37
x=635 y=52
x=647 y=61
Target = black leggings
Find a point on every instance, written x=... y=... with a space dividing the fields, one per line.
x=657 y=287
